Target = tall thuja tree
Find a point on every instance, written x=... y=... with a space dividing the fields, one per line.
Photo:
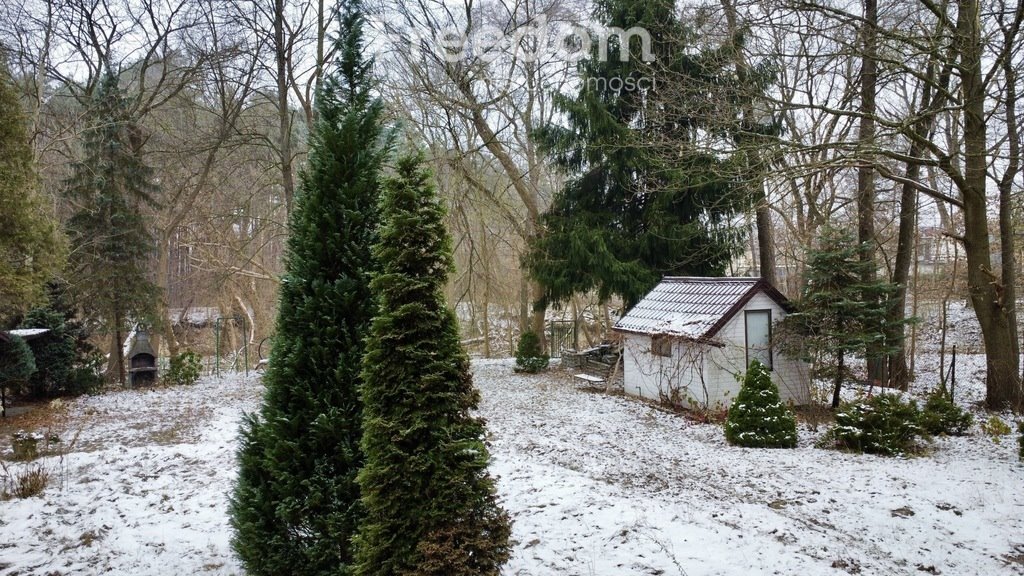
x=111 y=188
x=630 y=213
x=430 y=503
x=296 y=503
x=30 y=250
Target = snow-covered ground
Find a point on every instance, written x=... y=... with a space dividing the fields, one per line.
x=596 y=485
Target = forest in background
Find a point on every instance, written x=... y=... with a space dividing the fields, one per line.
x=897 y=120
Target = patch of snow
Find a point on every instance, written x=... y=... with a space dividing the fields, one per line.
x=596 y=485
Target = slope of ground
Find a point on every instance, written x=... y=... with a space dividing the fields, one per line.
x=596 y=484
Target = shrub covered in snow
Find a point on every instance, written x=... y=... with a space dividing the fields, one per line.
x=941 y=416
x=529 y=356
x=185 y=368
x=757 y=417
x=883 y=424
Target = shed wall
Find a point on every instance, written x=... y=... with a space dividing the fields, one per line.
x=702 y=375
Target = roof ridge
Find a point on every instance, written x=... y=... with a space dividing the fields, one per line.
x=711 y=278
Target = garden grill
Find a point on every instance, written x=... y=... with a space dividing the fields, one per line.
x=142 y=361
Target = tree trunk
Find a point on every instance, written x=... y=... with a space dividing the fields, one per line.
x=763 y=218
x=838 y=384
x=866 y=170
x=1006 y=226
x=283 y=110
x=987 y=290
x=765 y=242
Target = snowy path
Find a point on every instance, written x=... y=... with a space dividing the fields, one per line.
x=596 y=485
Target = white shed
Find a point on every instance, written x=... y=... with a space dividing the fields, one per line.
x=689 y=339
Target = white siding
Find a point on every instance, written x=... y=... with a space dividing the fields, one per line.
x=704 y=376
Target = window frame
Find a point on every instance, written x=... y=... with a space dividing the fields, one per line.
x=661 y=346
x=746 y=337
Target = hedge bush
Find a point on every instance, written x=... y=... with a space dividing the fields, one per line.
x=883 y=424
x=530 y=357
x=757 y=417
x=185 y=368
x=941 y=416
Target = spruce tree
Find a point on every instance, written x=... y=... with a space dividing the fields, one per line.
x=30 y=248
x=296 y=503
x=629 y=212
x=839 y=314
x=111 y=188
x=757 y=417
x=430 y=504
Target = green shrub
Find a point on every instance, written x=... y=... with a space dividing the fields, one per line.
x=185 y=368
x=757 y=417
x=883 y=424
x=995 y=428
x=941 y=416
x=17 y=363
x=529 y=356
x=87 y=376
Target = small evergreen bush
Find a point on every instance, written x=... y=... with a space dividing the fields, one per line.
x=941 y=416
x=757 y=417
x=995 y=428
x=529 y=356
x=883 y=424
x=185 y=368
x=87 y=376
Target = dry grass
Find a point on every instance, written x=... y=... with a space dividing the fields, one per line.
x=23 y=483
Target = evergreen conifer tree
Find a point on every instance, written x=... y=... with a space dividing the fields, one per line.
x=757 y=417
x=838 y=313
x=296 y=503
x=17 y=364
x=430 y=504
x=112 y=186
x=30 y=248
x=629 y=213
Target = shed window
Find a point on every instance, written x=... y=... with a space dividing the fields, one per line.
x=661 y=346
x=759 y=336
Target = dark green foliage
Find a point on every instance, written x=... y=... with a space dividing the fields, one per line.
x=529 y=356
x=883 y=424
x=430 y=504
x=112 y=188
x=30 y=249
x=54 y=353
x=296 y=503
x=72 y=364
x=838 y=314
x=185 y=368
x=643 y=199
x=17 y=364
x=757 y=417
x=941 y=416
